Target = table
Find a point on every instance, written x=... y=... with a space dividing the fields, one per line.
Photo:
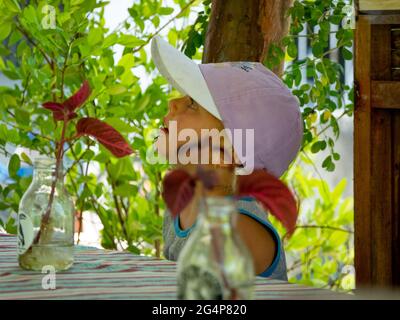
x=104 y=274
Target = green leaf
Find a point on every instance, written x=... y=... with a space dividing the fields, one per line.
x=5 y=29
x=126 y=190
x=297 y=76
x=128 y=79
x=328 y=164
x=338 y=238
x=88 y=155
x=121 y=169
x=318 y=49
x=76 y=2
x=127 y=61
x=292 y=49
x=2 y=65
x=11 y=226
x=130 y=41
x=102 y=158
x=12 y=5
x=305 y=87
x=143 y=103
x=22 y=117
x=318 y=146
x=99 y=190
x=110 y=40
x=132 y=12
x=172 y=37
x=335 y=127
x=120 y=125
x=95 y=36
x=347 y=55
x=26 y=158
x=13 y=136
x=165 y=11
x=134 y=249
x=116 y=89
x=338 y=191
x=156 y=21
x=288 y=79
x=14 y=165
x=117 y=111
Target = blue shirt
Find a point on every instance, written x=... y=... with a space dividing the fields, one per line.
x=175 y=238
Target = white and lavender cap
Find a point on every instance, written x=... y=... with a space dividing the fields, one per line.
x=243 y=95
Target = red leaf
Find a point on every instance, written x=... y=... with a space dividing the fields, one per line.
x=70 y=104
x=72 y=115
x=105 y=134
x=59 y=115
x=59 y=110
x=273 y=194
x=78 y=98
x=178 y=190
x=53 y=106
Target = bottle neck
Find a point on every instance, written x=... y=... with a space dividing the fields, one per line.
x=45 y=171
x=219 y=210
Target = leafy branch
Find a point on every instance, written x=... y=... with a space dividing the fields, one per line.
x=164 y=26
x=33 y=43
x=106 y=135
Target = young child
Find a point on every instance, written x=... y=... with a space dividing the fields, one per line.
x=233 y=96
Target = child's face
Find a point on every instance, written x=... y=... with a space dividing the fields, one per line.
x=184 y=113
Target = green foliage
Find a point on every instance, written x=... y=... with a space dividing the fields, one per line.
x=197 y=34
x=49 y=63
x=321 y=251
x=14 y=166
x=317 y=79
x=12 y=193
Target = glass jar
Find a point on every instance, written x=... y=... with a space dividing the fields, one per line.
x=46 y=240
x=215 y=264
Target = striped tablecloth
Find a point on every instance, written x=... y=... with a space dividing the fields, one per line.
x=102 y=274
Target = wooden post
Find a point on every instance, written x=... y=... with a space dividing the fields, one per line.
x=376 y=151
x=362 y=152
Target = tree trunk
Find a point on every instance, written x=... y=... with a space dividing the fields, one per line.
x=242 y=30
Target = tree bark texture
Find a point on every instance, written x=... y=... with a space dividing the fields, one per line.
x=242 y=30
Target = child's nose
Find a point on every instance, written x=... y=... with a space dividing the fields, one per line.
x=172 y=109
x=175 y=107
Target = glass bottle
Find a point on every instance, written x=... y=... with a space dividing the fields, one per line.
x=50 y=243
x=215 y=264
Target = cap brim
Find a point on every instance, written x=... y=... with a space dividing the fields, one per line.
x=182 y=73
